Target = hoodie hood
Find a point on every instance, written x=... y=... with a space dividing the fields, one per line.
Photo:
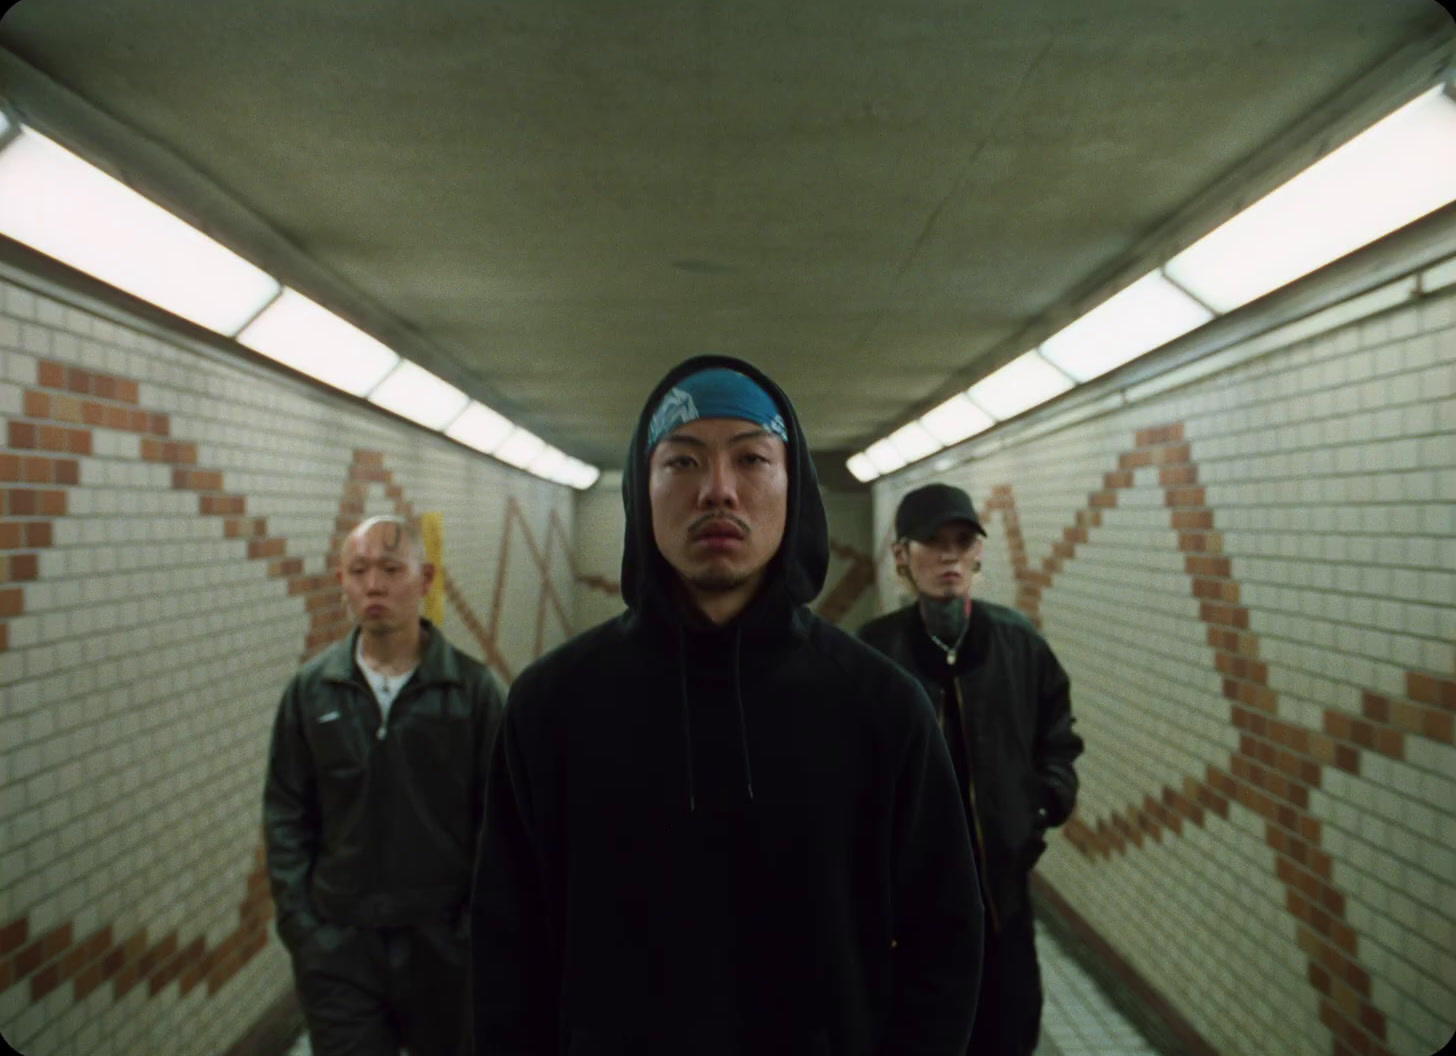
x=793 y=577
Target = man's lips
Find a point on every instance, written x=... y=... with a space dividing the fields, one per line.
x=717 y=530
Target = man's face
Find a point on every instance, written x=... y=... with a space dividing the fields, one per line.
x=383 y=578
x=719 y=492
x=943 y=568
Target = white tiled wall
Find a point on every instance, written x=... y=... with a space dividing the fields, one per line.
x=1330 y=470
x=139 y=681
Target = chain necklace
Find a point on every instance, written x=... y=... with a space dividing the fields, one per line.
x=950 y=650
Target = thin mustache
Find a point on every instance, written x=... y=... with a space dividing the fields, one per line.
x=702 y=522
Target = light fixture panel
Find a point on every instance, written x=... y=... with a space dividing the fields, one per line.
x=914 y=442
x=66 y=208
x=413 y=392
x=955 y=420
x=1019 y=386
x=1393 y=173
x=579 y=474
x=884 y=456
x=298 y=333
x=547 y=462
x=1137 y=319
x=862 y=468
x=520 y=448
x=480 y=427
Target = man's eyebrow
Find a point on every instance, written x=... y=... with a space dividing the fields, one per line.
x=693 y=441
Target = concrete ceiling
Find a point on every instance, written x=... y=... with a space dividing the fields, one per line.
x=552 y=201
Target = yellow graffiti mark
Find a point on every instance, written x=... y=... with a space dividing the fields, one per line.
x=432 y=531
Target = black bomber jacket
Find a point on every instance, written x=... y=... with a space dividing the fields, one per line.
x=377 y=826
x=1016 y=722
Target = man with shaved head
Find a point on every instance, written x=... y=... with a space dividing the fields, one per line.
x=372 y=808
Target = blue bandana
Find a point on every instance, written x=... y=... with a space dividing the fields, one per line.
x=716 y=392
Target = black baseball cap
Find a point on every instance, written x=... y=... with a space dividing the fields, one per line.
x=924 y=510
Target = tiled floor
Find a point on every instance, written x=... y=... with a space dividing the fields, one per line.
x=1077 y=1020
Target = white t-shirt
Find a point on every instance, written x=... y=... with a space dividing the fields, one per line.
x=386 y=687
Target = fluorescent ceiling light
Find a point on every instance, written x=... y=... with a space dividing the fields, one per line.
x=1018 y=386
x=480 y=427
x=520 y=448
x=884 y=456
x=547 y=462
x=913 y=442
x=412 y=391
x=955 y=420
x=578 y=474
x=863 y=469
x=298 y=333
x=1144 y=316
x=1394 y=172
x=68 y=209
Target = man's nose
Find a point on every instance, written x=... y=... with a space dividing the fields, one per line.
x=720 y=484
x=373 y=581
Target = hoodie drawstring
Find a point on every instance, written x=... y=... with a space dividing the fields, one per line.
x=687 y=716
x=742 y=723
x=682 y=678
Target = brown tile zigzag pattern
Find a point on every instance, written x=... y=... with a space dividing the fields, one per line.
x=59 y=414
x=1277 y=762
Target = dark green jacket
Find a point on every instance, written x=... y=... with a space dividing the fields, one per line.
x=377 y=827
x=1016 y=722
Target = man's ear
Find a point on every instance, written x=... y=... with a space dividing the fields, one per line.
x=901 y=552
x=427 y=574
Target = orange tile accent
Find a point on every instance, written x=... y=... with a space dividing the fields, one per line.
x=35 y=404
x=51 y=375
x=1272 y=781
x=13 y=936
x=1172 y=476
x=1121 y=478
x=1427 y=689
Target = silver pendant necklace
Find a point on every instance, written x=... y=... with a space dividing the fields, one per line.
x=950 y=650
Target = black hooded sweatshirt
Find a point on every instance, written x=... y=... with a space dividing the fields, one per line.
x=737 y=840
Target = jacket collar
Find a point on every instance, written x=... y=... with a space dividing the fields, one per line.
x=437 y=663
x=973 y=647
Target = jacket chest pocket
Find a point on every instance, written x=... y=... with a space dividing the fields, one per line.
x=439 y=737
x=337 y=742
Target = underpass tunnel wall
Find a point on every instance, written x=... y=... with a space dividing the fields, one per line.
x=1251 y=580
x=170 y=519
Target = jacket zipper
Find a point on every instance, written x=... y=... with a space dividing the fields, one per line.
x=976 y=816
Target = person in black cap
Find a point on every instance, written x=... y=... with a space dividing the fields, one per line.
x=1004 y=704
x=717 y=825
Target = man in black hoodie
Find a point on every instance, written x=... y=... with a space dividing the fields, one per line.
x=716 y=824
